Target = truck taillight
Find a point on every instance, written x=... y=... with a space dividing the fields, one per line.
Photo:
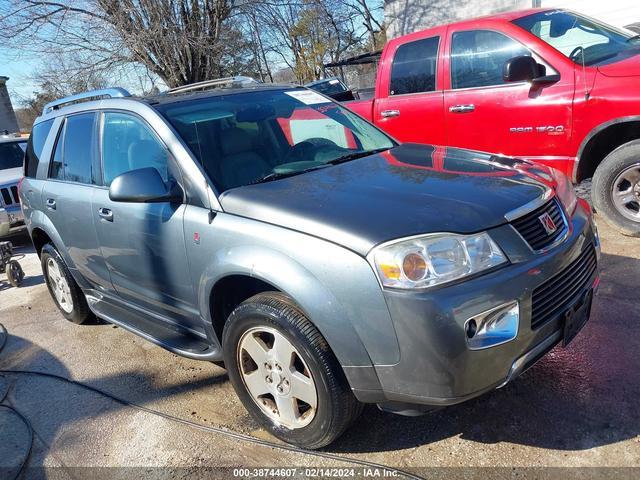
x=20 y=184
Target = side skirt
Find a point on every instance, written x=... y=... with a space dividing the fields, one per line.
x=150 y=327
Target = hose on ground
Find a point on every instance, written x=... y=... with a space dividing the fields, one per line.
x=189 y=423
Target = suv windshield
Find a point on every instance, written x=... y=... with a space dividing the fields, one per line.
x=580 y=38
x=12 y=154
x=250 y=137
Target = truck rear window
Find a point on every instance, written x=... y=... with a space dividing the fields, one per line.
x=414 y=67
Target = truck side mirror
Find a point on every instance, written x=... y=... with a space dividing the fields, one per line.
x=520 y=69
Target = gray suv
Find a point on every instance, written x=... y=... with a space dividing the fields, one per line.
x=327 y=266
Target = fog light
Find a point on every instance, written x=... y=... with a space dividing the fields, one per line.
x=494 y=327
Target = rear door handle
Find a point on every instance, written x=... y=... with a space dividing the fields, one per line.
x=106 y=214
x=51 y=204
x=462 y=108
x=390 y=113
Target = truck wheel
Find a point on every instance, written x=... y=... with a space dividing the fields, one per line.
x=285 y=373
x=616 y=189
x=63 y=288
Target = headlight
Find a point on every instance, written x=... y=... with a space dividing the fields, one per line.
x=430 y=260
x=565 y=191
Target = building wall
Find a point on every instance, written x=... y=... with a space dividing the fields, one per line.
x=614 y=12
x=406 y=16
x=7 y=115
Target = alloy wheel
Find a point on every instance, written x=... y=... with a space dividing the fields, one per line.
x=626 y=193
x=277 y=377
x=59 y=286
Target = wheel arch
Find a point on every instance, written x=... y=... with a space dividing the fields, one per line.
x=342 y=338
x=250 y=268
x=603 y=140
x=43 y=231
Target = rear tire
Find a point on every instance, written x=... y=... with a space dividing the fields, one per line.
x=616 y=189
x=64 y=290
x=275 y=324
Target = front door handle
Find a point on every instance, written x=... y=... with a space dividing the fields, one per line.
x=462 y=108
x=390 y=113
x=51 y=204
x=106 y=214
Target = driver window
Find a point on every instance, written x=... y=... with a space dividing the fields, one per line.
x=129 y=144
x=478 y=58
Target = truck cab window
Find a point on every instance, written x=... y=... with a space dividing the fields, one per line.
x=414 y=67
x=478 y=57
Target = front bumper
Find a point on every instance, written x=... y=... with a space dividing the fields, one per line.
x=437 y=367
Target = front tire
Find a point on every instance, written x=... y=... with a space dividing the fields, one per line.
x=285 y=374
x=616 y=189
x=64 y=290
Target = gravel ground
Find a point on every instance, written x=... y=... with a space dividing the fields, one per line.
x=578 y=407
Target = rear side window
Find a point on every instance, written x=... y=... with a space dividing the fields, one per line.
x=75 y=150
x=38 y=137
x=414 y=67
x=129 y=144
x=478 y=58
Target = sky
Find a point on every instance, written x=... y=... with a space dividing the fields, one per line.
x=18 y=69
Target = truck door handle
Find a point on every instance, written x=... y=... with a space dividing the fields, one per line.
x=462 y=108
x=390 y=113
x=51 y=204
x=106 y=214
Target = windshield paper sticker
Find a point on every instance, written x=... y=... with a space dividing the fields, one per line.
x=307 y=97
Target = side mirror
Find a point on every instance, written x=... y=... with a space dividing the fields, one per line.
x=526 y=69
x=144 y=185
x=520 y=69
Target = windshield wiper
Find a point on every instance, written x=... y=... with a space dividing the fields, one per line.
x=269 y=177
x=353 y=156
x=635 y=37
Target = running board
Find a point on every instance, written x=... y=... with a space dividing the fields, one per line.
x=168 y=336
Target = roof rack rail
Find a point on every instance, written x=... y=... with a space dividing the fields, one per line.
x=237 y=81
x=92 y=94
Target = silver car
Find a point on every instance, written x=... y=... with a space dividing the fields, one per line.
x=270 y=228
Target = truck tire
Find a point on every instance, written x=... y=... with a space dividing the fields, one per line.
x=64 y=290
x=616 y=189
x=285 y=374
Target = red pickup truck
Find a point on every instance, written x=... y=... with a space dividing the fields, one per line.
x=549 y=86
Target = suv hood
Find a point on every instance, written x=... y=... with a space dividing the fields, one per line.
x=10 y=175
x=408 y=190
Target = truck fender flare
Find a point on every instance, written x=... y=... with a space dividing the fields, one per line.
x=594 y=132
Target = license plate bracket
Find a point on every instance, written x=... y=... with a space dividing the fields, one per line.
x=577 y=316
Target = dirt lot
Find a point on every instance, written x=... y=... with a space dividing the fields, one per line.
x=577 y=407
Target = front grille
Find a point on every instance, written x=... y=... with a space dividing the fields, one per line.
x=531 y=228
x=10 y=195
x=555 y=296
x=14 y=192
